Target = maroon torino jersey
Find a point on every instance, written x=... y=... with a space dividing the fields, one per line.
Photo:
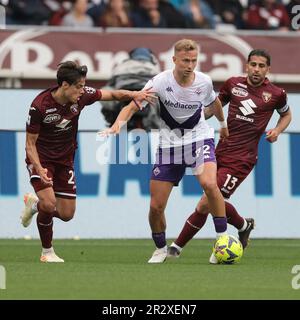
x=57 y=125
x=250 y=109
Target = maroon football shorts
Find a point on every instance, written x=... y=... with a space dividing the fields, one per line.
x=64 y=184
x=231 y=173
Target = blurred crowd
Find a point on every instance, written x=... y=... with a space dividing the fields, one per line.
x=199 y=14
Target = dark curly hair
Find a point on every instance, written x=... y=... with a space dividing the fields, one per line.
x=71 y=72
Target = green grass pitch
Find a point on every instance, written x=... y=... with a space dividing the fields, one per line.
x=118 y=269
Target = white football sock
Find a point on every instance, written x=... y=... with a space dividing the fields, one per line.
x=47 y=250
x=244 y=227
x=176 y=246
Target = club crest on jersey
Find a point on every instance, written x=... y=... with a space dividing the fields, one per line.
x=266 y=96
x=239 y=92
x=74 y=108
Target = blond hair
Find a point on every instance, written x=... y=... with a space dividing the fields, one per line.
x=185 y=45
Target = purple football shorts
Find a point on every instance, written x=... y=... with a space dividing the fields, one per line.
x=171 y=163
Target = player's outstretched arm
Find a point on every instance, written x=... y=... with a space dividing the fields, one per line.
x=124 y=116
x=33 y=156
x=125 y=95
x=282 y=124
x=217 y=110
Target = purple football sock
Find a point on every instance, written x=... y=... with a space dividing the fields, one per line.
x=159 y=239
x=220 y=224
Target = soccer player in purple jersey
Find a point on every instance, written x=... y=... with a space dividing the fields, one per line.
x=183 y=94
x=252 y=101
x=51 y=132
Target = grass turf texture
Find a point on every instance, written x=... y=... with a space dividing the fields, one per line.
x=118 y=269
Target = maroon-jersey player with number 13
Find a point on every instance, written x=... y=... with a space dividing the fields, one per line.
x=252 y=101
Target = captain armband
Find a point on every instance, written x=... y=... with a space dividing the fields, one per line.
x=283 y=109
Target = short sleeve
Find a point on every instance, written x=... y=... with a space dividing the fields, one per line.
x=34 y=120
x=90 y=96
x=149 y=84
x=224 y=94
x=210 y=94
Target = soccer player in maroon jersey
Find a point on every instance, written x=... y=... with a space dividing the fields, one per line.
x=51 y=132
x=252 y=101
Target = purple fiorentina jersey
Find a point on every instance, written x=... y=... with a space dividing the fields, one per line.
x=181 y=108
x=250 y=109
x=57 y=125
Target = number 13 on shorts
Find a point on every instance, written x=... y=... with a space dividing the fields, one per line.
x=229 y=186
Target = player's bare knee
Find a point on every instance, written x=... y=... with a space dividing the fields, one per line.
x=209 y=187
x=202 y=209
x=48 y=205
x=67 y=215
x=157 y=209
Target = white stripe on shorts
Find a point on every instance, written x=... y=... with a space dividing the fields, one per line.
x=34 y=176
x=66 y=194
